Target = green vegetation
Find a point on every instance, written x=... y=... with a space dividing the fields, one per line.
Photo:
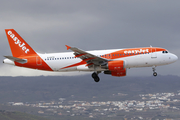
x=7 y=115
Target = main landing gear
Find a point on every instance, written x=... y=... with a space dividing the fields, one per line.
x=154 y=71
x=95 y=77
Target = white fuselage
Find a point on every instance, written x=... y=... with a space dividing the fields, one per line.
x=57 y=61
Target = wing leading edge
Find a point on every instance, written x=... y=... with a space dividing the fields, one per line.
x=89 y=58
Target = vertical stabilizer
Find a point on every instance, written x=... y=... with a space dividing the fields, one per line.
x=18 y=45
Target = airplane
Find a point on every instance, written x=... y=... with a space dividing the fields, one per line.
x=113 y=62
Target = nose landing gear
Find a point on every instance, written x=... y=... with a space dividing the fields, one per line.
x=155 y=74
x=95 y=77
x=154 y=71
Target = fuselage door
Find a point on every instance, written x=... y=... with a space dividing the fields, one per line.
x=38 y=61
x=153 y=53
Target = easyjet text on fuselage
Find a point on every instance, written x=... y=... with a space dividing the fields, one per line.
x=136 y=51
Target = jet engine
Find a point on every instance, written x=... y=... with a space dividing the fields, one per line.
x=116 y=68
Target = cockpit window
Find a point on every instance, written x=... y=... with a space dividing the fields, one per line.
x=164 y=51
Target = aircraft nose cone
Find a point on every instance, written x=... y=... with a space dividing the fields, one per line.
x=175 y=58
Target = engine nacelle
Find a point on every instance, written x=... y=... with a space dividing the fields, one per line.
x=116 y=65
x=116 y=68
x=119 y=73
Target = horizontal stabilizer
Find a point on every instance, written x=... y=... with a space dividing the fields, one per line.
x=15 y=59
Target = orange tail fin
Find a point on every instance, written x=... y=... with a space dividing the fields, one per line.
x=18 y=46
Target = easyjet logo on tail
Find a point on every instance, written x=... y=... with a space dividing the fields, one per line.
x=18 y=42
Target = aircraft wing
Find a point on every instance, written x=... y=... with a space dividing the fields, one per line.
x=89 y=58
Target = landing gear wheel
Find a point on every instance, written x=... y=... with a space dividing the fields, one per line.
x=154 y=71
x=95 y=77
x=155 y=74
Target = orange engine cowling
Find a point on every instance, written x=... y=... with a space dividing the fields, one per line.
x=116 y=68
x=119 y=73
x=116 y=65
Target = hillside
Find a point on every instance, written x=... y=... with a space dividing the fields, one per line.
x=30 y=89
x=7 y=115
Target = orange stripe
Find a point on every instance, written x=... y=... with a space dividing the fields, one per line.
x=77 y=64
x=132 y=52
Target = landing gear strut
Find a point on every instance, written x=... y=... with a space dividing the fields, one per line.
x=95 y=77
x=154 y=71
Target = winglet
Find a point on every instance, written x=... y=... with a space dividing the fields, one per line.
x=68 y=47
